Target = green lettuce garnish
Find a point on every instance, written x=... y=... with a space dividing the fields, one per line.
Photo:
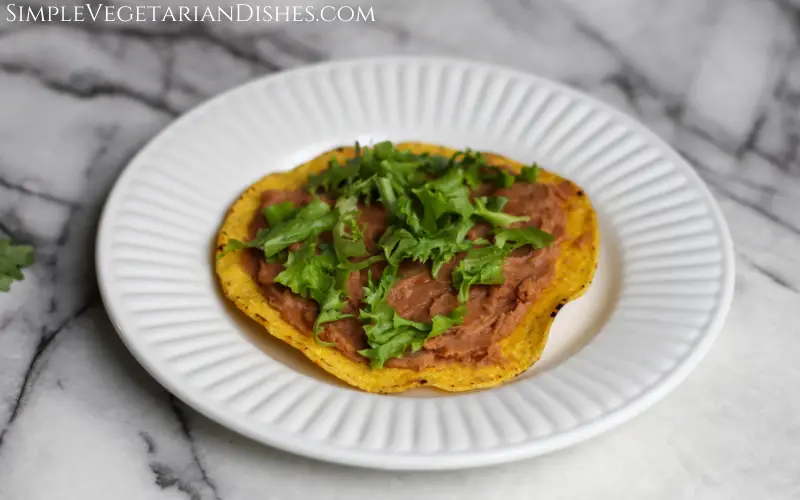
x=481 y=266
x=389 y=335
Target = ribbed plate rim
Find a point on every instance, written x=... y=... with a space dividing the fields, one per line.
x=450 y=460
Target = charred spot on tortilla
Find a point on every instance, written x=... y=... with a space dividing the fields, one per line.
x=398 y=266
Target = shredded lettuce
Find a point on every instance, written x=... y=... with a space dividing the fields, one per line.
x=348 y=241
x=313 y=274
x=481 y=266
x=529 y=174
x=515 y=238
x=279 y=212
x=309 y=221
x=389 y=335
x=491 y=209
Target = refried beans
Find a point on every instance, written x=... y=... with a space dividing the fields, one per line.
x=493 y=310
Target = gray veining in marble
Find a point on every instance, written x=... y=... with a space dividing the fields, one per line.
x=718 y=79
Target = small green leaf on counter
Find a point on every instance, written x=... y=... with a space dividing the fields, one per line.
x=13 y=258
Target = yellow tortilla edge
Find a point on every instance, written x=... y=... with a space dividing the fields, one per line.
x=575 y=270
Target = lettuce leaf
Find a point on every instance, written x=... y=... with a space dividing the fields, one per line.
x=389 y=335
x=330 y=309
x=308 y=273
x=491 y=210
x=348 y=240
x=277 y=213
x=515 y=238
x=309 y=221
x=481 y=266
x=13 y=258
x=445 y=195
x=313 y=275
x=529 y=174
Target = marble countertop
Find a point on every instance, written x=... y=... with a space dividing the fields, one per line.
x=718 y=79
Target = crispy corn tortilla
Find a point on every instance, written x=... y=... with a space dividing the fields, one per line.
x=574 y=271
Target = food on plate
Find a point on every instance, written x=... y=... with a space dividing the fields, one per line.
x=399 y=266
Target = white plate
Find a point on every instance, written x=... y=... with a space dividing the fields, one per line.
x=663 y=286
